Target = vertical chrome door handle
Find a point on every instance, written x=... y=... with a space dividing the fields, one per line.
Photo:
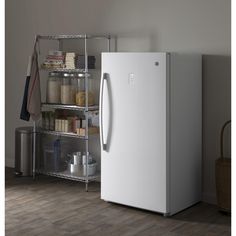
x=104 y=77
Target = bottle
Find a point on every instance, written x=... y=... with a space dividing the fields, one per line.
x=51 y=120
x=47 y=121
x=74 y=87
x=43 y=120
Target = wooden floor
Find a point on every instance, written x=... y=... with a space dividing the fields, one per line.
x=54 y=207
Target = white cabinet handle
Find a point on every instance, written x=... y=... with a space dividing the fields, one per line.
x=104 y=77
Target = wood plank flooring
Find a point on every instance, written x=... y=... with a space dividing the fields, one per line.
x=55 y=207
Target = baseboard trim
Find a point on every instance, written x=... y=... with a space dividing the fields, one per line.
x=10 y=163
x=209 y=198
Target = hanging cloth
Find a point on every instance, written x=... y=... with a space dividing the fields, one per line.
x=34 y=94
x=24 y=114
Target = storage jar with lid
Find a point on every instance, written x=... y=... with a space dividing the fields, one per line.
x=68 y=89
x=81 y=92
x=53 y=88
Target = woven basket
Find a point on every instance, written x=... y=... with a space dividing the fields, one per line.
x=223 y=177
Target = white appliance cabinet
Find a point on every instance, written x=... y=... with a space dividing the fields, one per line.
x=151 y=130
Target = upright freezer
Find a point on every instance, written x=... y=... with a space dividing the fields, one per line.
x=151 y=130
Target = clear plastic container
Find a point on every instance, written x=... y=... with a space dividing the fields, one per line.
x=53 y=88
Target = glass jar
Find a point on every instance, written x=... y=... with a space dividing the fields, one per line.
x=74 y=87
x=53 y=88
x=68 y=89
x=81 y=92
x=46 y=122
x=51 y=120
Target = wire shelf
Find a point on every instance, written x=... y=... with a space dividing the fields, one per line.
x=63 y=70
x=67 y=175
x=78 y=36
x=69 y=107
x=59 y=133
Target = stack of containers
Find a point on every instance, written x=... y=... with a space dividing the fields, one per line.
x=70 y=60
x=80 y=62
x=67 y=124
x=54 y=60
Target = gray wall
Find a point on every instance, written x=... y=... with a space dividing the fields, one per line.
x=201 y=26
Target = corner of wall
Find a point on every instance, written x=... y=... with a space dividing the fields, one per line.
x=9 y=162
x=209 y=198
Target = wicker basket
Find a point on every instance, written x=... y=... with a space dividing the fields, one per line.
x=223 y=177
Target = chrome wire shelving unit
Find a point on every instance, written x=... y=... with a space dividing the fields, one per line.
x=85 y=74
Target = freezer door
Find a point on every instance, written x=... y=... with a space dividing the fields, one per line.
x=133 y=129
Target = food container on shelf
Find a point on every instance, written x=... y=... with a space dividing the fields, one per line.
x=45 y=120
x=80 y=62
x=84 y=157
x=68 y=89
x=53 y=88
x=52 y=161
x=76 y=169
x=92 y=167
x=81 y=98
x=48 y=120
x=51 y=115
x=75 y=158
x=77 y=164
x=81 y=92
x=81 y=170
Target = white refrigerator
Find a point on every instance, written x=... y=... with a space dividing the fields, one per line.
x=151 y=130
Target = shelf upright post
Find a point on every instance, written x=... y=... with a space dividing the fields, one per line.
x=86 y=108
x=34 y=126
